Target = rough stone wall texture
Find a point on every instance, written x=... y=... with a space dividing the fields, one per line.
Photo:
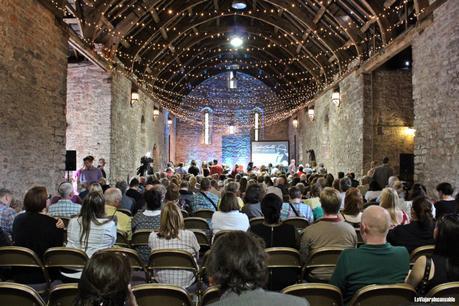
x=102 y=122
x=88 y=112
x=391 y=115
x=33 y=67
x=436 y=106
x=336 y=133
x=133 y=132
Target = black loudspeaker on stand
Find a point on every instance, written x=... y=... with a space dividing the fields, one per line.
x=70 y=162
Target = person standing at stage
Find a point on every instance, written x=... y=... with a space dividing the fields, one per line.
x=88 y=174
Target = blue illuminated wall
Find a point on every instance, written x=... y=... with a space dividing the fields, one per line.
x=236 y=149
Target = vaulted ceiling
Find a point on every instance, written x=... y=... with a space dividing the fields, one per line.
x=296 y=47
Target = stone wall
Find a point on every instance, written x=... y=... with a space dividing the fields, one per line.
x=33 y=67
x=336 y=133
x=88 y=112
x=102 y=122
x=436 y=106
x=190 y=140
x=391 y=115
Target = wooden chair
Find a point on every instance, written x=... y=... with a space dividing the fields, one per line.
x=445 y=290
x=139 y=271
x=63 y=295
x=384 y=295
x=64 y=257
x=14 y=256
x=284 y=265
x=426 y=250
x=125 y=211
x=122 y=239
x=204 y=213
x=196 y=223
x=317 y=293
x=19 y=295
x=172 y=259
x=160 y=294
x=140 y=238
x=257 y=220
x=298 y=222
x=210 y=295
x=320 y=259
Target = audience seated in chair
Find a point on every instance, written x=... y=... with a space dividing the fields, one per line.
x=148 y=219
x=92 y=230
x=113 y=198
x=126 y=201
x=444 y=263
x=447 y=204
x=375 y=262
x=105 y=281
x=330 y=231
x=204 y=199
x=252 y=198
x=229 y=217
x=296 y=207
x=35 y=230
x=172 y=235
x=64 y=207
x=390 y=201
x=7 y=214
x=272 y=231
x=237 y=264
x=353 y=205
x=417 y=233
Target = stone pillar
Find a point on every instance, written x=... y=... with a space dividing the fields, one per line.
x=33 y=69
x=436 y=104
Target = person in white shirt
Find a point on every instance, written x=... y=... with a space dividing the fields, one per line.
x=91 y=230
x=229 y=217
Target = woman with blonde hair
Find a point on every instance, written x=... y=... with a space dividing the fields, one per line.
x=192 y=184
x=390 y=201
x=172 y=235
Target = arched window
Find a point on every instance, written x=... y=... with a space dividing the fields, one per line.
x=257 y=125
x=206 y=120
x=257 y=118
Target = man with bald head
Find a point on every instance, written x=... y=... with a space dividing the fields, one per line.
x=113 y=198
x=375 y=262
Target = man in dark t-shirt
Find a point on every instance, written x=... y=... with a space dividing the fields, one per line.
x=447 y=204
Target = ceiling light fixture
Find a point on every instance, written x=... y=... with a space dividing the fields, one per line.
x=236 y=41
x=239 y=5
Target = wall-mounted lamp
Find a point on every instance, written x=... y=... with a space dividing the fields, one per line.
x=410 y=132
x=311 y=113
x=155 y=113
x=295 y=123
x=134 y=95
x=231 y=129
x=336 y=97
x=169 y=121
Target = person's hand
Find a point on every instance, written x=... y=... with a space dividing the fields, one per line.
x=131 y=301
x=60 y=223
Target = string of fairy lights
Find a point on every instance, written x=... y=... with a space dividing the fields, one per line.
x=177 y=84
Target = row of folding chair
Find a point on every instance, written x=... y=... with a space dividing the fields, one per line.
x=76 y=259
x=159 y=294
